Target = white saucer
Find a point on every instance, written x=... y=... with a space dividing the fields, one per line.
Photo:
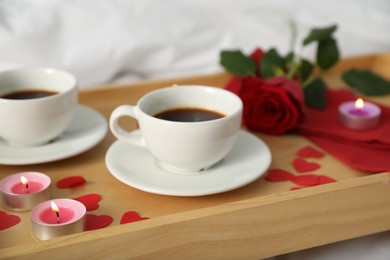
x=86 y=129
x=135 y=166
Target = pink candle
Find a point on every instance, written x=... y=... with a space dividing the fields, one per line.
x=29 y=187
x=22 y=191
x=57 y=217
x=359 y=115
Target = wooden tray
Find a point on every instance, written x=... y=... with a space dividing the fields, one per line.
x=259 y=220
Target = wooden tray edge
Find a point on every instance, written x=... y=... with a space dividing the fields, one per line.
x=289 y=209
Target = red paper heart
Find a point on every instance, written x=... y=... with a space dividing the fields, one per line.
x=301 y=165
x=70 y=182
x=307 y=180
x=279 y=175
x=96 y=222
x=90 y=201
x=131 y=216
x=325 y=179
x=295 y=188
x=310 y=152
x=312 y=180
x=7 y=221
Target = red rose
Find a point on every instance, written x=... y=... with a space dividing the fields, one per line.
x=274 y=106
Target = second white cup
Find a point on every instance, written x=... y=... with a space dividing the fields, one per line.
x=36 y=105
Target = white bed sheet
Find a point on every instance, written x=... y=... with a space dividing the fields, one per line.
x=127 y=40
x=110 y=41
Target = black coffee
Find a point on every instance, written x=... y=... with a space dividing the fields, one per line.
x=188 y=115
x=29 y=94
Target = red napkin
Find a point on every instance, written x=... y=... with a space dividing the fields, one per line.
x=367 y=150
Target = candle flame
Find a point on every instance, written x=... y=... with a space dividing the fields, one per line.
x=174 y=85
x=24 y=180
x=54 y=207
x=359 y=103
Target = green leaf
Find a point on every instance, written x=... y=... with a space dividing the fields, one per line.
x=315 y=94
x=319 y=34
x=270 y=61
x=305 y=70
x=366 y=82
x=327 y=53
x=237 y=63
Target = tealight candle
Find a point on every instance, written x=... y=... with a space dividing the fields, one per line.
x=359 y=115
x=57 y=217
x=22 y=191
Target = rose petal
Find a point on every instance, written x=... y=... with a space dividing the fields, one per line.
x=257 y=55
x=7 y=221
x=276 y=175
x=307 y=180
x=301 y=165
x=131 y=216
x=310 y=152
x=93 y=222
x=70 y=182
x=90 y=201
x=275 y=81
x=295 y=89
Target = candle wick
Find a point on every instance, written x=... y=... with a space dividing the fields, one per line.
x=27 y=187
x=58 y=216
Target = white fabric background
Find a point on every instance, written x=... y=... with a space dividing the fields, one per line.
x=126 y=40
x=110 y=41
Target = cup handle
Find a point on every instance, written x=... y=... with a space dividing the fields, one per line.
x=134 y=138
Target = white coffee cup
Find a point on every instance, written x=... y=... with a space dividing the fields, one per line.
x=36 y=121
x=183 y=147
